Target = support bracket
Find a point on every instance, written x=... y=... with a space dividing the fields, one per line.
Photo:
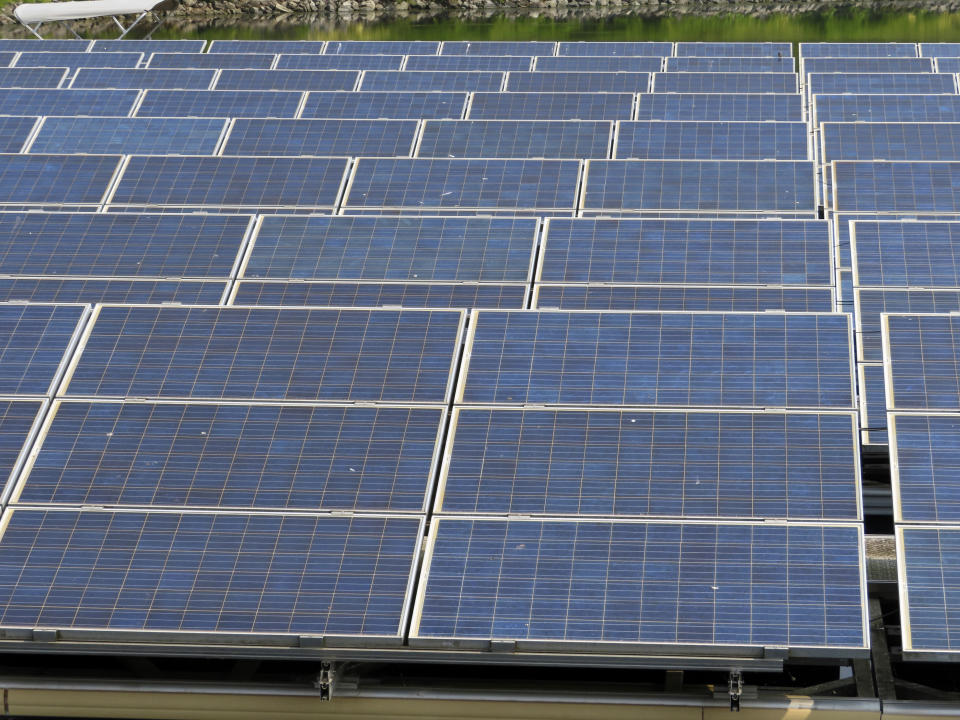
x=326 y=680
x=735 y=689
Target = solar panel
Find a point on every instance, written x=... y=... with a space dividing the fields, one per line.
x=719 y=106
x=466 y=47
x=429 y=249
x=883 y=83
x=219 y=103
x=871 y=303
x=72 y=290
x=948 y=65
x=31 y=77
x=394 y=294
x=515 y=139
x=844 y=290
x=857 y=50
x=907 y=254
x=925 y=187
x=603 y=63
x=577 y=82
x=280 y=457
x=68 y=102
x=17 y=425
x=693 y=252
x=153 y=136
x=873 y=404
x=720 y=82
x=34 y=341
x=287 y=80
x=638 y=583
x=613 y=49
x=79 y=59
x=14 y=132
x=444 y=184
x=55 y=179
x=924 y=461
x=709 y=360
x=694 y=140
x=147 y=46
x=52 y=45
x=699 y=185
x=841 y=230
x=922 y=361
x=249 y=61
x=383 y=47
x=242 y=182
x=890 y=141
x=209 y=572
x=499 y=63
x=431 y=80
x=866 y=65
x=379 y=138
x=730 y=64
x=373 y=105
x=938 y=50
x=886 y=108
x=734 y=49
x=798 y=466
x=143 y=78
x=681 y=297
x=266 y=46
x=927 y=559
x=120 y=244
x=340 y=62
x=551 y=106
x=400 y=356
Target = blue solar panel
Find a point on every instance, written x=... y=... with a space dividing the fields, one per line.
x=34 y=340
x=865 y=65
x=615 y=48
x=515 y=139
x=120 y=244
x=266 y=46
x=711 y=140
x=693 y=252
x=149 y=136
x=340 y=62
x=674 y=297
x=699 y=185
x=287 y=80
x=247 y=182
x=551 y=106
x=430 y=249
x=886 y=108
x=292 y=457
x=16 y=423
x=31 y=77
x=948 y=65
x=373 y=105
x=662 y=583
x=844 y=291
x=499 y=63
x=922 y=361
x=873 y=404
x=147 y=46
x=577 y=82
x=219 y=103
x=251 y=61
x=377 y=138
x=608 y=63
x=56 y=179
x=871 y=303
x=734 y=49
x=668 y=359
x=937 y=50
x=143 y=78
x=719 y=106
x=907 y=254
x=225 y=573
x=262 y=354
x=890 y=141
x=79 y=59
x=730 y=64
x=14 y=132
x=52 y=45
x=928 y=558
x=925 y=187
x=799 y=466
x=855 y=50
x=383 y=47
x=69 y=102
x=435 y=183
x=882 y=83
x=719 y=82
x=924 y=464
x=69 y=290
x=366 y=294
x=466 y=47
x=431 y=80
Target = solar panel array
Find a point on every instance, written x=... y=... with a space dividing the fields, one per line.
x=460 y=344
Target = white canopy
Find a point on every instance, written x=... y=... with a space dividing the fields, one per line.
x=43 y=12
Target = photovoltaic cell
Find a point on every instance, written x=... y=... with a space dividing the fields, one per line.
x=219 y=103
x=283 y=457
x=694 y=140
x=14 y=131
x=143 y=78
x=882 y=83
x=730 y=64
x=394 y=294
x=429 y=249
x=31 y=77
x=857 y=50
x=52 y=45
x=873 y=404
x=55 y=179
x=720 y=106
x=498 y=63
x=666 y=359
x=699 y=185
x=604 y=63
x=149 y=136
x=577 y=82
x=247 y=182
x=613 y=49
x=515 y=139
x=34 y=340
x=340 y=62
x=890 y=141
x=924 y=464
x=415 y=80
x=551 y=106
x=675 y=297
x=377 y=138
x=374 y=105
x=734 y=49
x=251 y=61
x=70 y=290
x=948 y=65
x=383 y=47
x=16 y=420
x=652 y=464
x=923 y=187
x=886 y=108
x=871 y=303
x=224 y=573
x=79 y=59
x=907 y=254
x=270 y=47
x=928 y=558
x=922 y=361
x=269 y=354
x=147 y=46
x=938 y=50
x=287 y=80
x=68 y=102
x=495 y=184
x=720 y=82
x=865 y=65
x=466 y=47
x=643 y=582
